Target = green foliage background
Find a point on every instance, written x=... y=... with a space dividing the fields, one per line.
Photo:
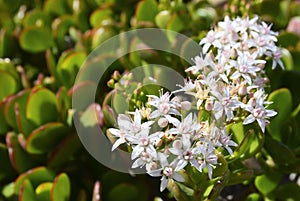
x=43 y=43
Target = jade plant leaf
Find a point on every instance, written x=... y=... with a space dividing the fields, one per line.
x=250 y=139
x=124 y=192
x=64 y=151
x=19 y=99
x=41 y=106
x=290 y=191
x=19 y=158
x=162 y=18
x=8 y=84
x=61 y=28
x=61 y=188
x=92 y=116
x=63 y=103
x=102 y=34
x=4 y=127
x=68 y=66
x=6 y=170
x=36 y=18
x=266 y=183
x=36 y=176
x=279 y=97
x=36 y=39
x=146 y=10
x=8 y=66
x=26 y=191
x=101 y=16
x=42 y=191
x=44 y=138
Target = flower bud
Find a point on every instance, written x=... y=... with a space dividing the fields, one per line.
x=186 y=105
x=177 y=144
x=163 y=122
x=242 y=91
x=208 y=105
x=158 y=142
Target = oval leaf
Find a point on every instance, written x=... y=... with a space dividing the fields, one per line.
x=35 y=39
x=41 y=106
x=61 y=188
x=44 y=138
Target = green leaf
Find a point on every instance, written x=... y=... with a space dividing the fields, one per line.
x=41 y=106
x=68 y=65
x=268 y=182
x=162 y=18
x=239 y=176
x=43 y=191
x=4 y=127
x=6 y=43
x=8 y=190
x=249 y=138
x=8 y=66
x=36 y=18
x=254 y=197
x=282 y=103
x=146 y=10
x=19 y=99
x=102 y=34
x=176 y=23
x=36 y=176
x=26 y=191
x=100 y=17
x=44 y=138
x=92 y=116
x=6 y=170
x=290 y=191
x=61 y=188
x=20 y=160
x=63 y=103
x=61 y=27
x=8 y=85
x=36 y=39
x=287 y=39
x=123 y=192
x=281 y=154
x=64 y=151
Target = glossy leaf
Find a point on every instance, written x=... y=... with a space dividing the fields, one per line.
x=19 y=158
x=279 y=97
x=44 y=138
x=102 y=34
x=6 y=170
x=68 y=66
x=63 y=103
x=4 y=127
x=8 y=85
x=35 y=39
x=19 y=99
x=92 y=116
x=36 y=18
x=123 y=192
x=27 y=191
x=146 y=10
x=64 y=151
x=268 y=182
x=162 y=18
x=289 y=191
x=61 y=188
x=100 y=17
x=36 y=176
x=41 y=106
x=42 y=191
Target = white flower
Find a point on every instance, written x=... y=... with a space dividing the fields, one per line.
x=164 y=105
x=167 y=171
x=186 y=126
x=259 y=113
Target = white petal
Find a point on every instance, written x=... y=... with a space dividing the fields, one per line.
x=117 y=143
x=138 y=163
x=164 y=183
x=262 y=124
x=137 y=150
x=155 y=173
x=249 y=119
x=177 y=177
x=115 y=132
x=154 y=114
x=181 y=164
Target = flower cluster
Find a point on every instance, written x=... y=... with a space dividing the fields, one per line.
x=171 y=132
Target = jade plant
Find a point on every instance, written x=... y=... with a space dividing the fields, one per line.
x=43 y=46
